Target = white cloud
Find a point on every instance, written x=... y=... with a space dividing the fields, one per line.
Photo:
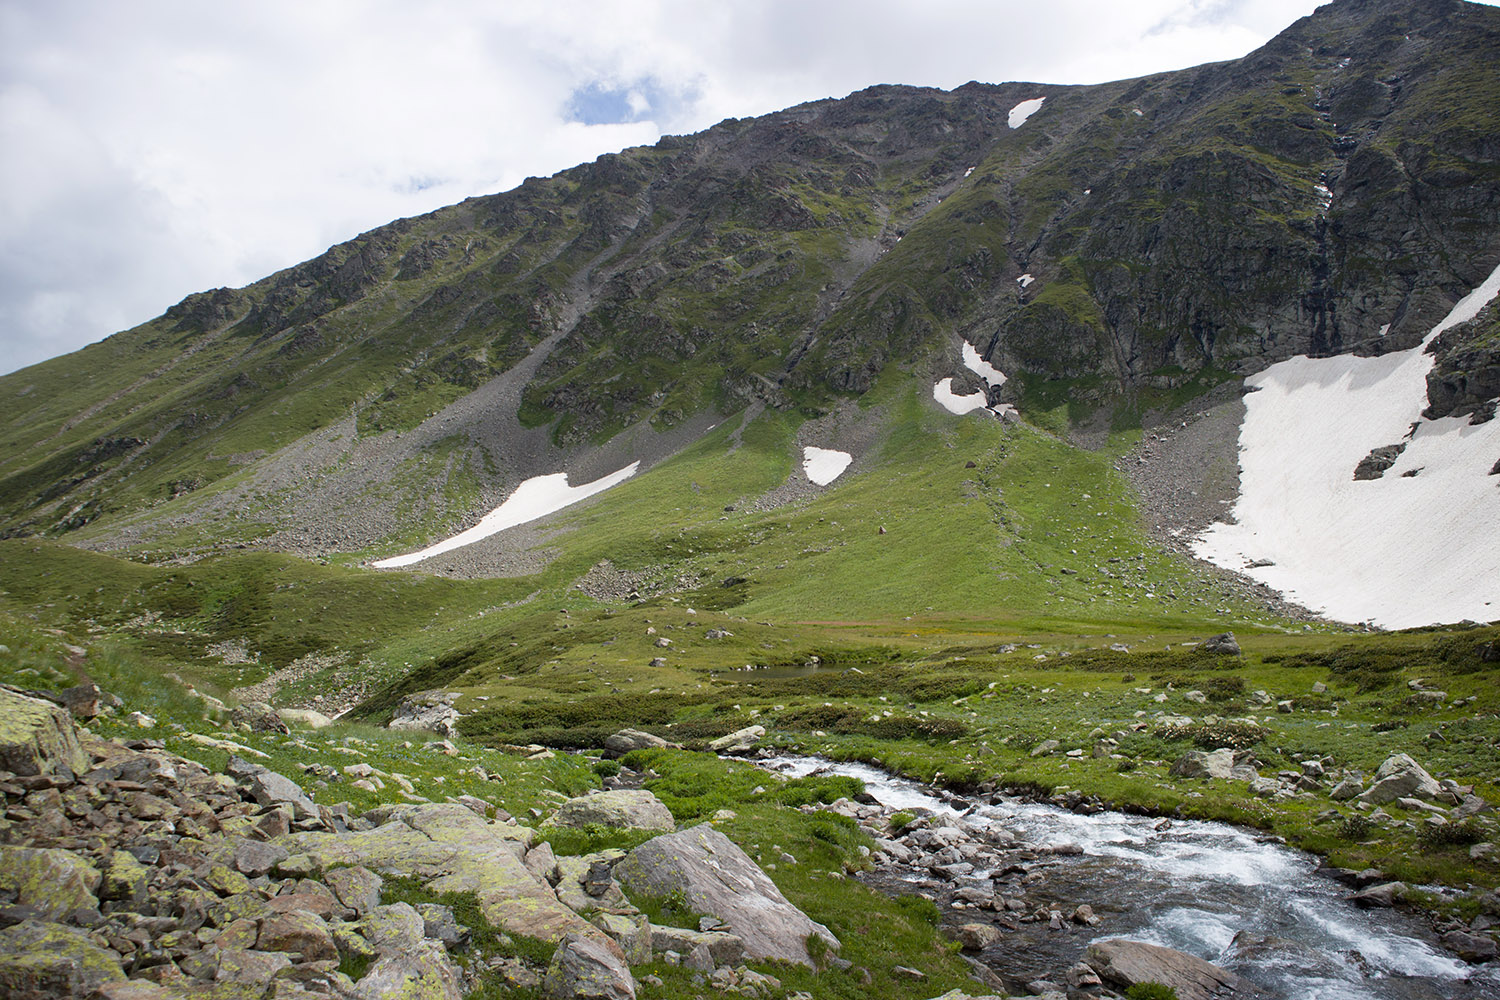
x=152 y=149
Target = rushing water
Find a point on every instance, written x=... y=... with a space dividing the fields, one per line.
x=1227 y=895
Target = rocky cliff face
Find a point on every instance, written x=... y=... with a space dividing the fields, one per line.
x=1333 y=191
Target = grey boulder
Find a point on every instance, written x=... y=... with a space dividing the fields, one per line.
x=588 y=969
x=1125 y=963
x=720 y=880
x=1400 y=777
x=624 y=809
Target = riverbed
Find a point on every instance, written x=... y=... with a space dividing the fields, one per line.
x=1230 y=896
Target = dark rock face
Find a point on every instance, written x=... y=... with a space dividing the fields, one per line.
x=1373 y=465
x=1465 y=381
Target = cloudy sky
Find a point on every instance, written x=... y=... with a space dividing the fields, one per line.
x=159 y=147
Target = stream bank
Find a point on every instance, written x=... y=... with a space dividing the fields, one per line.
x=1028 y=886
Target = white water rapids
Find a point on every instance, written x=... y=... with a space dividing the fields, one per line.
x=1194 y=886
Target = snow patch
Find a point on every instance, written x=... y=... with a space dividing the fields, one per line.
x=1024 y=110
x=972 y=361
x=1025 y=280
x=1137 y=112
x=1385 y=330
x=956 y=404
x=969 y=171
x=536 y=497
x=1325 y=196
x=824 y=465
x=1413 y=547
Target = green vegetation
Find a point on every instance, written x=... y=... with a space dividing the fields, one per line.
x=1151 y=991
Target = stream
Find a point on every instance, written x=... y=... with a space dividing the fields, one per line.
x=1227 y=895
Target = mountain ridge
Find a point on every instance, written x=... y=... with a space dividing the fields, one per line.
x=1171 y=229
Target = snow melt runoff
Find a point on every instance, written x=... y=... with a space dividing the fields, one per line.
x=1420 y=544
x=534 y=498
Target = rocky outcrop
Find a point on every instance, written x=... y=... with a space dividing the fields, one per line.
x=624 y=809
x=432 y=711
x=1375 y=464
x=37 y=737
x=1125 y=963
x=720 y=880
x=1465 y=381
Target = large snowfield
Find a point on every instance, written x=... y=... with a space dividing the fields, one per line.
x=1418 y=546
x=534 y=498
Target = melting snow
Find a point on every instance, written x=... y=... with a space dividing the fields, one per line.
x=972 y=361
x=1417 y=545
x=954 y=403
x=1325 y=196
x=969 y=171
x=824 y=465
x=960 y=405
x=1024 y=110
x=1025 y=280
x=536 y=497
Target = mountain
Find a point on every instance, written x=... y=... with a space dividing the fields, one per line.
x=1122 y=447
x=1126 y=254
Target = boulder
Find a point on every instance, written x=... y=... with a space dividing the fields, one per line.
x=621 y=743
x=624 y=809
x=305 y=717
x=588 y=969
x=85 y=701
x=397 y=927
x=1473 y=948
x=739 y=740
x=126 y=880
x=439 y=924
x=358 y=888
x=1125 y=963
x=1212 y=764
x=269 y=788
x=256 y=857
x=297 y=933
x=37 y=737
x=430 y=711
x=44 y=961
x=1348 y=788
x=52 y=882
x=1379 y=897
x=977 y=937
x=1398 y=778
x=259 y=716
x=422 y=973
x=633 y=934
x=718 y=879
x=1223 y=644
x=725 y=948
